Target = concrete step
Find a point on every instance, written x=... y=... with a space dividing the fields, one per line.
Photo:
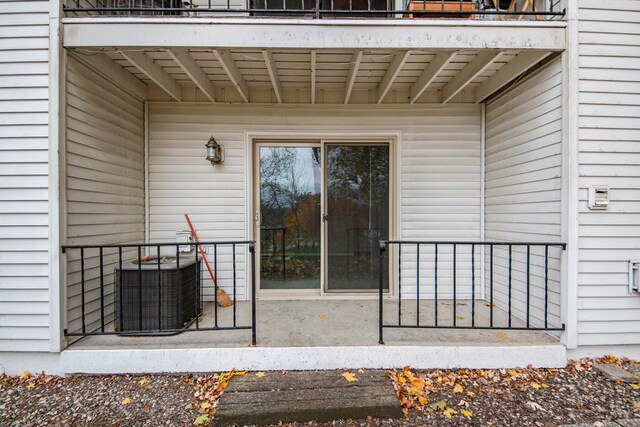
x=306 y=396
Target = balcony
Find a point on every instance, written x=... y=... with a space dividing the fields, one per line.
x=495 y=10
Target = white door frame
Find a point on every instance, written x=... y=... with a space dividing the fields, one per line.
x=392 y=138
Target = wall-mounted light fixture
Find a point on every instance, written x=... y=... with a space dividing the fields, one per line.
x=215 y=153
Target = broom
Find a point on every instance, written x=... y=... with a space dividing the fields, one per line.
x=221 y=295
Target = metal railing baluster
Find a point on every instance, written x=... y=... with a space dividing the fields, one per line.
x=510 y=269
x=140 y=288
x=233 y=248
x=100 y=254
x=473 y=285
x=528 y=282
x=546 y=285
x=215 y=291
x=399 y=284
x=417 y=284
x=455 y=308
x=435 y=282
x=159 y=287
x=491 y=285
x=82 y=286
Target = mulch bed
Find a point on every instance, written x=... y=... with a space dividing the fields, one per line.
x=518 y=397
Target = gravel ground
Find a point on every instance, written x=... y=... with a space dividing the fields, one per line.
x=153 y=400
x=520 y=397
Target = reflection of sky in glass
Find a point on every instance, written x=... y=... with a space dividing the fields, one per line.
x=307 y=169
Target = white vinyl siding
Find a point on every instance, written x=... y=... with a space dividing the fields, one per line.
x=523 y=162
x=104 y=184
x=609 y=144
x=439 y=161
x=24 y=205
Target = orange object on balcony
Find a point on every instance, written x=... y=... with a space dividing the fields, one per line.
x=448 y=6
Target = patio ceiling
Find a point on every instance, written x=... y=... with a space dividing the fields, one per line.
x=327 y=76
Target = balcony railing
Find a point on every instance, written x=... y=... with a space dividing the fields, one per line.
x=473 y=285
x=145 y=289
x=318 y=9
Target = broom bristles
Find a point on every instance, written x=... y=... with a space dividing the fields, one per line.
x=223 y=298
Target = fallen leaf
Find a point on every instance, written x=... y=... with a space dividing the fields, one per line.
x=201 y=419
x=205 y=405
x=449 y=412
x=322 y=315
x=459 y=318
x=439 y=406
x=361 y=370
x=422 y=400
x=501 y=335
x=534 y=406
x=535 y=385
x=490 y=305
x=458 y=388
x=260 y=374
x=31 y=385
x=635 y=386
x=636 y=405
x=25 y=375
x=544 y=385
x=239 y=373
x=349 y=377
x=143 y=382
x=470 y=394
x=466 y=413
x=126 y=401
x=613 y=357
x=512 y=372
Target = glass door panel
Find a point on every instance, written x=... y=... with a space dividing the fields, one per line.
x=357 y=185
x=289 y=218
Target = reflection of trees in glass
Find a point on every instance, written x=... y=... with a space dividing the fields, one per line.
x=289 y=193
x=359 y=176
x=358 y=208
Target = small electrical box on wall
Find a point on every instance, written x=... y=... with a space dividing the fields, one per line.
x=634 y=276
x=184 y=236
x=598 y=197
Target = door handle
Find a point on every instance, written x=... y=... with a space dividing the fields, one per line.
x=258 y=218
x=325 y=217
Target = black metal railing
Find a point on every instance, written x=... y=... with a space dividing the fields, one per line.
x=318 y=9
x=508 y=285
x=156 y=288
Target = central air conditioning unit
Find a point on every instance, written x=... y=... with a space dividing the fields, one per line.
x=154 y=297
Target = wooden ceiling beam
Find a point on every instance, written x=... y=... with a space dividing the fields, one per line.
x=505 y=75
x=392 y=72
x=353 y=73
x=183 y=58
x=273 y=74
x=155 y=72
x=229 y=66
x=473 y=69
x=430 y=73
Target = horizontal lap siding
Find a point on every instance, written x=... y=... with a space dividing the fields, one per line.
x=104 y=185
x=439 y=176
x=24 y=206
x=523 y=192
x=609 y=133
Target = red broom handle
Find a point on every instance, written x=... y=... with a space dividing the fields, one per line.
x=204 y=256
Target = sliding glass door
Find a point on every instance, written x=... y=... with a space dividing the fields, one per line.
x=357 y=206
x=321 y=210
x=289 y=216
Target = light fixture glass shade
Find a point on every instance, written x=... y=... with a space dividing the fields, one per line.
x=214 y=151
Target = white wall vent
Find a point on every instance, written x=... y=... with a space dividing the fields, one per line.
x=598 y=197
x=634 y=276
